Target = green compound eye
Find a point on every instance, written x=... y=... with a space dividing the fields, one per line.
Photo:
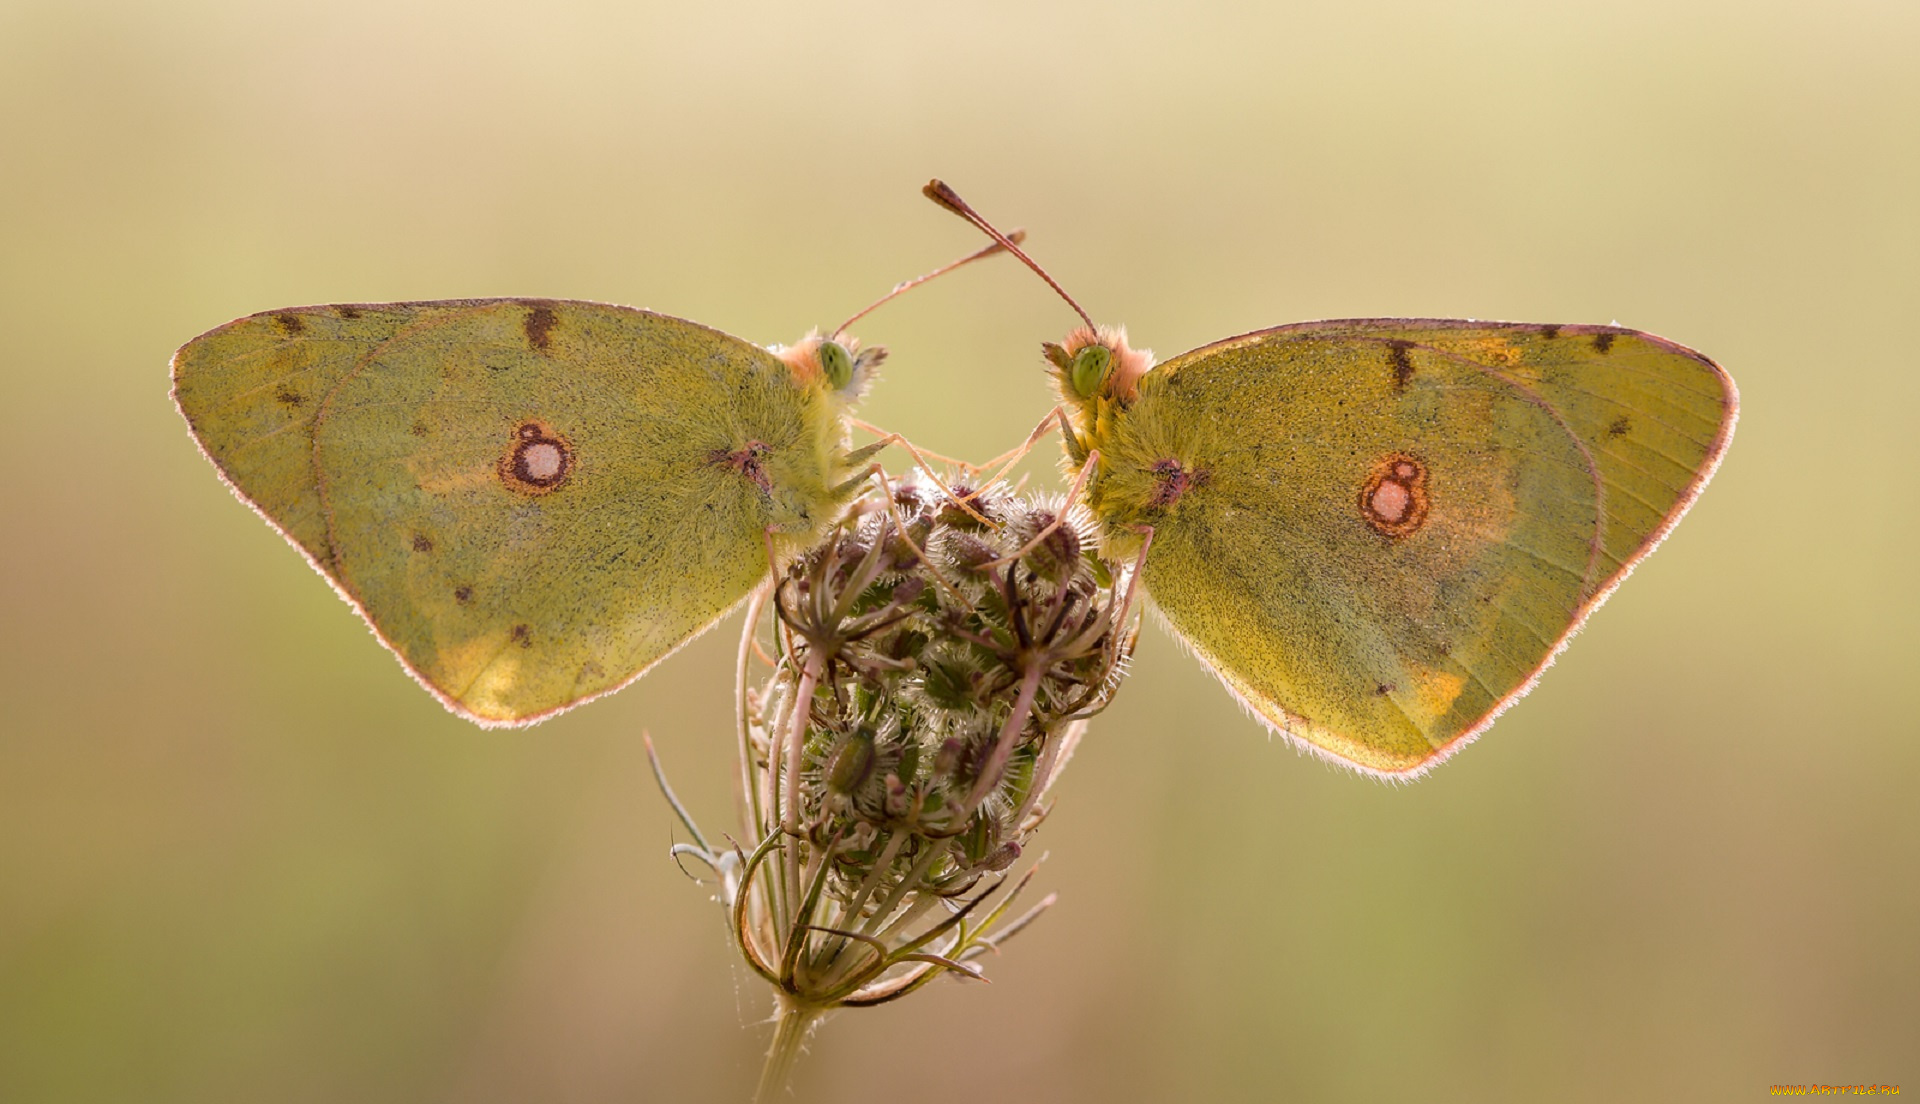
x=1090 y=368
x=837 y=363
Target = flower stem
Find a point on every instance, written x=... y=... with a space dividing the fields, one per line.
x=796 y=1021
x=796 y=740
x=996 y=768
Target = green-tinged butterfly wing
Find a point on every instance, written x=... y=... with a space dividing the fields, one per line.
x=530 y=501
x=1379 y=532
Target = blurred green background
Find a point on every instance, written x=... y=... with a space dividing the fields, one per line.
x=243 y=858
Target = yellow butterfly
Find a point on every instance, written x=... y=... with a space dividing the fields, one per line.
x=1379 y=532
x=530 y=501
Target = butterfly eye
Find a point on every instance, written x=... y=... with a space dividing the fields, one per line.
x=1090 y=368
x=837 y=364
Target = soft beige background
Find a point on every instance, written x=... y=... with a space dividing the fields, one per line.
x=242 y=858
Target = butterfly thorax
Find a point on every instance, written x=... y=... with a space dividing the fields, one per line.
x=809 y=483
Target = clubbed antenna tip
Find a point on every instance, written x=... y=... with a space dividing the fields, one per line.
x=938 y=191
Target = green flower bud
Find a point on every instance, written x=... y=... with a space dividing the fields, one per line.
x=850 y=761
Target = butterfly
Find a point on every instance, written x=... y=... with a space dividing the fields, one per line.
x=532 y=501
x=1379 y=532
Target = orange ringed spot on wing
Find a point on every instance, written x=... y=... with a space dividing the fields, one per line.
x=537 y=460
x=1393 y=500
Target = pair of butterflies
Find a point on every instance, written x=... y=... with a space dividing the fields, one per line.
x=1376 y=532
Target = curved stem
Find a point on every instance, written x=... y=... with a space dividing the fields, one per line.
x=795 y=1023
x=1009 y=736
x=749 y=792
x=796 y=739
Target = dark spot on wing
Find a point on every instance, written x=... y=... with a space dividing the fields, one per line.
x=1621 y=426
x=1383 y=689
x=1603 y=342
x=1402 y=364
x=290 y=323
x=348 y=313
x=463 y=594
x=419 y=429
x=745 y=461
x=521 y=635
x=288 y=396
x=421 y=543
x=1550 y=331
x=539 y=324
x=1172 y=481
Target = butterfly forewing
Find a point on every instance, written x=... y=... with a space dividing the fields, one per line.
x=531 y=501
x=251 y=391
x=1378 y=532
x=1654 y=416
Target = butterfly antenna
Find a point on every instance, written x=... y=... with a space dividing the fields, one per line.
x=1000 y=245
x=939 y=192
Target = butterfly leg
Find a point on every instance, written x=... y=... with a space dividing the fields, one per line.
x=1006 y=460
x=920 y=461
x=888 y=437
x=1079 y=484
x=876 y=472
